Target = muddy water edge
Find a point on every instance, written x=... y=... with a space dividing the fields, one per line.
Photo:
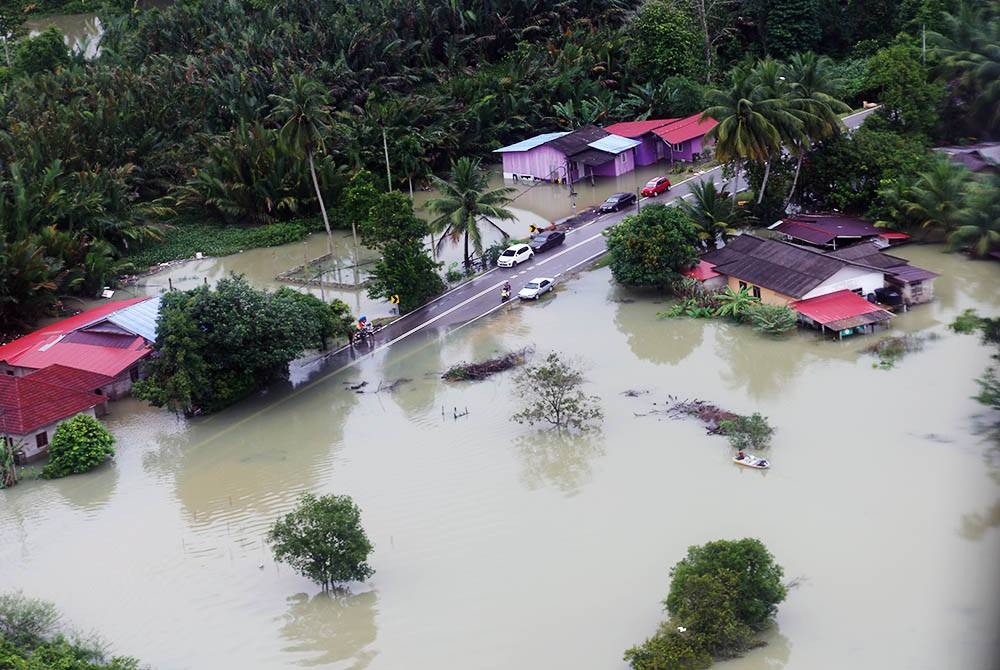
x=499 y=546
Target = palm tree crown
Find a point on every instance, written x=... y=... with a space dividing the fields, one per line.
x=464 y=201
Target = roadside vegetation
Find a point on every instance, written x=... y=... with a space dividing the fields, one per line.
x=33 y=637
x=722 y=594
x=216 y=346
x=102 y=164
x=322 y=539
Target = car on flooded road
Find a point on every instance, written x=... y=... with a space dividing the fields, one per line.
x=655 y=187
x=515 y=255
x=548 y=240
x=536 y=288
x=616 y=202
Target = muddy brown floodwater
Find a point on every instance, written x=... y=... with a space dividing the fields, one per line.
x=499 y=546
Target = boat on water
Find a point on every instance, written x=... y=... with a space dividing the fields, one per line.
x=751 y=461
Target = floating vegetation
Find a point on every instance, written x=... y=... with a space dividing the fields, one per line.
x=889 y=350
x=477 y=371
x=744 y=432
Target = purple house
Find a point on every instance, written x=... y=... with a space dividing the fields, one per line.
x=685 y=137
x=570 y=156
x=651 y=148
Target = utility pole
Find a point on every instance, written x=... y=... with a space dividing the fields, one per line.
x=923 y=44
x=385 y=147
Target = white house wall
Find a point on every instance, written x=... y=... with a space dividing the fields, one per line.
x=850 y=278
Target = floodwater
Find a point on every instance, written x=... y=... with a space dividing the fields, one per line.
x=502 y=546
x=81 y=32
x=537 y=205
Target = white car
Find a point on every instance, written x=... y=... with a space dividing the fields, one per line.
x=515 y=255
x=534 y=289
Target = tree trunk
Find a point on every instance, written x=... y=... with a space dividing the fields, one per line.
x=763 y=184
x=795 y=179
x=736 y=183
x=467 y=249
x=326 y=220
x=388 y=173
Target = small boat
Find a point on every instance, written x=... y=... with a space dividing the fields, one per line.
x=751 y=461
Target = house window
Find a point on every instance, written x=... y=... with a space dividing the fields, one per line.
x=42 y=439
x=916 y=284
x=756 y=292
x=623 y=157
x=743 y=286
x=133 y=374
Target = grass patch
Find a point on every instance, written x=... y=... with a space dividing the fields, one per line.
x=185 y=238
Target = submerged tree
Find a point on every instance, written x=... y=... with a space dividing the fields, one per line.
x=554 y=396
x=322 y=539
x=464 y=201
x=652 y=247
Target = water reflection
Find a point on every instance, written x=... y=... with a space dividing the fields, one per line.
x=242 y=465
x=762 y=365
x=658 y=340
x=329 y=628
x=558 y=458
x=91 y=491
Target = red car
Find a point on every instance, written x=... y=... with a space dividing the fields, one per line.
x=655 y=187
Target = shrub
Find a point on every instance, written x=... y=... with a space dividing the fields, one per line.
x=322 y=539
x=24 y=620
x=554 y=396
x=772 y=319
x=747 y=432
x=79 y=445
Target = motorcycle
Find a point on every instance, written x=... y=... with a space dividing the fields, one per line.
x=505 y=294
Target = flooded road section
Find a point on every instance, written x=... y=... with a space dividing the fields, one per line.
x=499 y=546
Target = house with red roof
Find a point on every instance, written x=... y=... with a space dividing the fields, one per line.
x=109 y=342
x=31 y=409
x=666 y=139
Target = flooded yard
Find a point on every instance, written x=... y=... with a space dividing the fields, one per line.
x=500 y=546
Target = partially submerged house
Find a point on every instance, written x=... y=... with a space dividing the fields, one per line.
x=704 y=273
x=833 y=230
x=31 y=409
x=978 y=158
x=905 y=284
x=569 y=156
x=780 y=273
x=110 y=341
x=605 y=152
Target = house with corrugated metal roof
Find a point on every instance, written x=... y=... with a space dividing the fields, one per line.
x=906 y=284
x=666 y=139
x=109 y=341
x=31 y=408
x=587 y=152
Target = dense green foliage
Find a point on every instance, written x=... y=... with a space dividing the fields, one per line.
x=267 y=116
x=214 y=347
x=553 y=395
x=32 y=638
x=651 y=248
x=405 y=269
x=773 y=319
x=322 y=539
x=720 y=595
x=79 y=444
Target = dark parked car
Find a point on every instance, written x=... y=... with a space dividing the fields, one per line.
x=547 y=240
x=617 y=201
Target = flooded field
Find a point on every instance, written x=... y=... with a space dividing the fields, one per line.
x=499 y=546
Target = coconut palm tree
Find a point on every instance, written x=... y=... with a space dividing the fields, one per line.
x=779 y=106
x=936 y=198
x=710 y=209
x=813 y=87
x=744 y=131
x=978 y=223
x=306 y=122
x=464 y=201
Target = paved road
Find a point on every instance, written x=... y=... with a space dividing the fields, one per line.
x=481 y=296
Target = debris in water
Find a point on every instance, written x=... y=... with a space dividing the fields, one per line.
x=392 y=386
x=635 y=393
x=477 y=371
x=357 y=387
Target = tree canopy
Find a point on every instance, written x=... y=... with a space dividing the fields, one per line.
x=322 y=539
x=652 y=247
x=214 y=347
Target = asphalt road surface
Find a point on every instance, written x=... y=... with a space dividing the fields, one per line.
x=481 y=296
